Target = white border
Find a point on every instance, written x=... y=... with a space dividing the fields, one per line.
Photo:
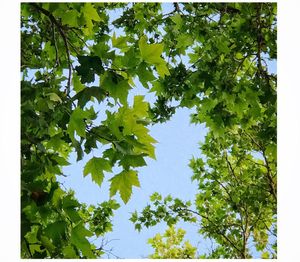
x=288 y=129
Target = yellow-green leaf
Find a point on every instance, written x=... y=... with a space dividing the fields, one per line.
x=123 y=183
x=140 y=107
x=54 y=97
x=150 y=52
x=95 y=167
x=162 y=69
x=70 y=18
x=90 y=12
x=119 y=42
x=177 y=20
x=77 y=122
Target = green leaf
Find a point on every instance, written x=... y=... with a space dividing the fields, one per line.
x=145 y=74
x=222 y=45
x=47 y=243
x=155 y=197
x=69 y=201
x=60 y=160
x=271 y=151
x=31 y=236
x=134 y=217
x=177 y=20
x=78 y=149
x=69 y=252
x=103 y=133
x=70 y=18
x=157 y=87
x=78 y=86
x=116 y=86
x=130 y=58
x=85 y=95
x=150 y=52
x=54 y=97
x=50 y=49
x=239 y=56
x=35 y=248
x=78 y=239
x=162 y=69
x=89 y=66
x=138 y=227
x=120 y=42
x=73 y=214
x=123 y=183
x=140 y=107
x=89 y=13
x=265 y=255
x=95 y=167
x=70 y=206
x=56 y=231
x=184 y=40
x=132 y=161
x=77 y=122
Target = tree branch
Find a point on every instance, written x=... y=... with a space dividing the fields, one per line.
x=64 y=37
x=269 y=176
x=245 y=234
x=74 y=31
x=55 y=45
x=217 y=231
x=231 y=170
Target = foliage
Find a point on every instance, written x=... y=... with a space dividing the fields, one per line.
x=58 y=118
x=228 y=82
x=209 y=57
x=172 y=247
x=168 y=210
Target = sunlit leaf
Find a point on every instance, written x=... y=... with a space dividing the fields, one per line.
x=123 y=183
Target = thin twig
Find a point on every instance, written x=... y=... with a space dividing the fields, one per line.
x=64 y=37
x=271 y=182
x=269 y=176
x=271 y=232
x=74 y=48
x=230 y=168
x=168 y=14
x=73 y=30
x=260 y=147
x=55 y=46
x=101 y=137
x=214 y=177
x=259 y=39
x=253 y=162
x=224 y=236
x=241 y=64
x=217 y=231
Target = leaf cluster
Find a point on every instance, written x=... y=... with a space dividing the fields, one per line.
x=212 y=58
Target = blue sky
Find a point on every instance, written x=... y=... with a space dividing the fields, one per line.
x=169 y=174
x=288 y=131
x=178 y=141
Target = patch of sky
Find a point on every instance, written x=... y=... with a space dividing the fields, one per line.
x=169 y=174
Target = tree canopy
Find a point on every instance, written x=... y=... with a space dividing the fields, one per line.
x=211 y=57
